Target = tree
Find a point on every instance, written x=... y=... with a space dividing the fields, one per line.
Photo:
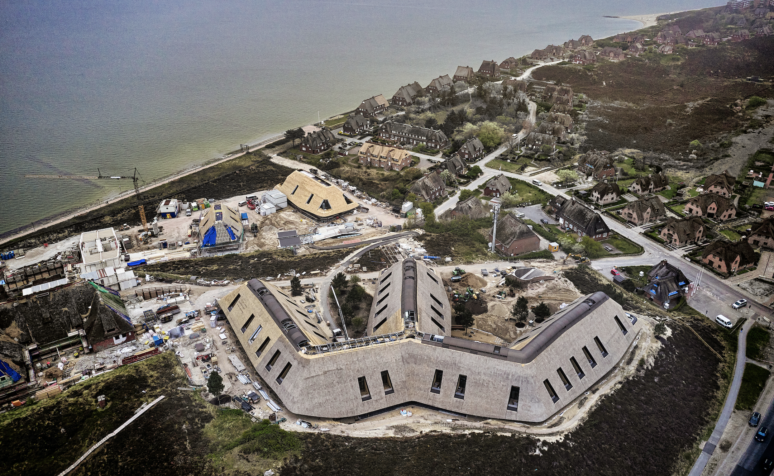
x=491 y=134
x=293 y=134
x=295 y=286
x=355 y=295
x=354 y=279
x=396 y=195
x=474 y=172
x=463 y=315
x=428 y=213
x=215 y=384
x=339 y=281
x=412 y=197
x=347 y=312
x=541 y=311
x=520 y=310
x=465 y=194
x=629 y=285
x=431 y=122
x=567 y=175
x=660 y=329
x=448 y=178
x=510 y=199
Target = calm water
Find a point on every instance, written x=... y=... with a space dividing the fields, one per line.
x=163 y=85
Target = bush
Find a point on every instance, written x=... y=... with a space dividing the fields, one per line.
x=757 y=340
x=695 y=144
x=465 y=194
x=542 y=254
x=755 y=102
x=266 y=440
x=753 y=381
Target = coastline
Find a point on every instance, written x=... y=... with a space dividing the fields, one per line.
x=19 y=232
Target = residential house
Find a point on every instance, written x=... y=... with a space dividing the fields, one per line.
x=763 y=234
x=317 y=141
x=644 y=210
x=558 y=94
x=561 y=108
x=721 y=184
x=406 y=94
x=564 y=119
x=514 y=237
x=666 y=284
x=729 y=257
x=584 y=57
x=740 y=35
x=516 y=85
x=764 y=31
x=572 y=45
x=441 y=83
x=553 y=129
x=497 y=186
x=674 y=29
x=463 y=73
x=711 y=39
x=665 y=49
x=471 y=208
x=489 y=68
x=554 y=51
x=585 y=40
x=604 y=193
x=356 y=124
x=666 y=38
x=413 y=135
x=760 y=12
x=540 y=55
x=387 y=158
x=536 y=140
x=651 y=184
x=741 y=22
x=711 y=205
x=372 y=106
x=107 y=323
x=636 y=49
x=597 y=164
x=509 y=63
x=429 y=187
x=576 y=217
x=695 y=34
x=456 y=166
x=613 y=54
x=684 y=231
x=471 y=150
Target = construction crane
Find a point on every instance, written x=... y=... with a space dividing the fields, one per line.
x=142 y=217
x=135 y=178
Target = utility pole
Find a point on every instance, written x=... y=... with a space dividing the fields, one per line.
x=495 y=203
x=341 y=316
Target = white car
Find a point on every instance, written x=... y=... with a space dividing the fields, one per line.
x=739 y=304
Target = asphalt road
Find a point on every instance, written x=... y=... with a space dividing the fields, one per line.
x=751 y=462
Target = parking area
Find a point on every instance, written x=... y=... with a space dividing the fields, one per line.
x=535 y=213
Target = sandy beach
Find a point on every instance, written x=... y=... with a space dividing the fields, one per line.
x=646 y=20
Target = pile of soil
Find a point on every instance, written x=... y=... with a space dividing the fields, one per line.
x=474 y=281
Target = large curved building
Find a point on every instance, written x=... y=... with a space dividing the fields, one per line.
x=409 y=355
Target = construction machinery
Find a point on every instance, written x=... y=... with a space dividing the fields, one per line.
x=142 y=217
x=458 y=272
x=577 y=257
x=135 y=178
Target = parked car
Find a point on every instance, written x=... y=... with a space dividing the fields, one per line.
x=544 y=221
x=537 y=182
x=456 y=279
x=768 y=464
x=484 y=272
x=615 y=272
x=739 y=303
x=755 y=419
x=760 y=436
x=724 y=321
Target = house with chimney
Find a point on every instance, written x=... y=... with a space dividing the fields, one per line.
x=406 y=94
x=456 y=166
x=574 y=216
x=665 y=49
x=728 y=257
x=605 y=193
x=317 y=141
x=740 y=35
x=636 y=49
x=463 y=73
x=564 y=119
x=666 y=284
x=413 y=135
x=497 y=186
x=509 y=63
x=572 y=45
x=372 y=106
x=720 y=184
x=429 y=187
x=644 y=210
x=762 y=235
x=584 y=57
x=356 y=123
x=553 y=129
x=539 y=55
x=711 y=205
x=516 y=84
x=441 y=83
x=558 y=94
x=597 y=164
x=382 y=156
x=612 y=54
x=471 y=150
x=514 y=237
x=489 y=68
x=537 y=140
x=685 y=231
x=585 y=40
x=470 y=208
x=651 y=184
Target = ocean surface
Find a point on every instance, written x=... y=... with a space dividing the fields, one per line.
x=164 y=85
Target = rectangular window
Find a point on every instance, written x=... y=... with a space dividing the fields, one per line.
x=620 y=325
x=233 y=303
x=365 y=394
x=380 y=324
x=310 y=199
x=432 y=277
x=577 y=368
x=600 y=346
x=438 y=324
x=564 y=379
x=551 y=392
x=436 y=311
x=387 y=383
x=273 y=360
x=262 y=347
x=294 y=190
x=320 y=335
x=384 y=279
x=382 y=299
x=385 y=287
x=459 y=392
x=255 y=334
x=284 y=373
x=437 y=378
x=591 y=360
x=437 y=301
x=513 y=399
x=247 y=324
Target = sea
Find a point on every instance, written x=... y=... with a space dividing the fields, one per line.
x=110 y=86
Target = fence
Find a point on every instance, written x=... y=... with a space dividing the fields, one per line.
x=153 y=293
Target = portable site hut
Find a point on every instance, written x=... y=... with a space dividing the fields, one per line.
x=268 y=209
x=276 y=198
x=169 y=208
x=220 y=226
x=553 y=247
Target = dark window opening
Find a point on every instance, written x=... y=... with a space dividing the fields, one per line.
x=496 y=350
x=320 y=335
x=325 y=205
x=294 y=190
x=387 y=383
x=255 y=334
x=384 y=279
x=437 y=378
x=382 y=299
x=380 y=310
x=380 y=324
x=601 y=347
x=273 y=360
x=365 y=394
x=591 y=360
x=437 y=301
x=432 y=277
x=385 y=287
x=620 y=325
x=310 y=199
x=551 y=392
x=247 y=324
x=577 y=367
x=564 y=379
x=284 y=373
x=262 y=347
x=513 y=399
x=438 y=324
x=233 y=303
x=310 y=324
x=347 y=200
x=436 y=311
x=459 y=392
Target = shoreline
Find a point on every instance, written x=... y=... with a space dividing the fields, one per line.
x=19 y=232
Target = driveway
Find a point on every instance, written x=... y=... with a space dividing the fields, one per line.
x=535 y=213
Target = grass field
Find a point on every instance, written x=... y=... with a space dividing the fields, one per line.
x=730 y=234
x=623 y=245
x=512 y=167
x=753 y=381
x=528 y=192
x=757 y=340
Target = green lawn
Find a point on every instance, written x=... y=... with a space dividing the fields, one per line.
x=759 y=196
x=670 y=194
x=334 y=123
x=730 y=234
x=633 y=273
x=528 y=192
x=512 y=167
x=753 y=381
x=692 y=192
x=628 y=166
x=622 y=244
x=757 y=340
x=679 y=209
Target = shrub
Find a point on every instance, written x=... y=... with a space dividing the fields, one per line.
x=695 y=144
x=465 y=194
x=755 y=102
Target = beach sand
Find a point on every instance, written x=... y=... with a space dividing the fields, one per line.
x=646 y=20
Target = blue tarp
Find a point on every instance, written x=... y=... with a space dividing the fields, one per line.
x=136 y=263
x=244 y=216
x=210 y=237
x=231 y=233
x=6 y=369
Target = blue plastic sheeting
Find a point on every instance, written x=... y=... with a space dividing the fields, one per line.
x=136 y=263
x=210 y=237
x=6 y=369
x=231 y=233
x=244 y=216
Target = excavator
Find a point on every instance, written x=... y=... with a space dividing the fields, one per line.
x=578 y=258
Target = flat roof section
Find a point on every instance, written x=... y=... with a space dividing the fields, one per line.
x=99 y=245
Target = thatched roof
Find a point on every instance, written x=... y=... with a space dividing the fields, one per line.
x=315 y=196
